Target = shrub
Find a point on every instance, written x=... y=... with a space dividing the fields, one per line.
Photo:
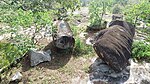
x=80 y=45
x=13 y=49
x=116 y=9
x=136 y=11
x=96 y=10
x=140 y=49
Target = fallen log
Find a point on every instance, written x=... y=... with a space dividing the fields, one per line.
x=64 y=37
x=113 y=45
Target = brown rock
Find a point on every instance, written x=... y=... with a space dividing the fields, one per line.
x=113 y=45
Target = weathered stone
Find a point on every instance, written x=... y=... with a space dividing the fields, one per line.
x=113 y=45
x=139 y=73
x=101 y=73
x=136 y=73
x=64 y=37
x=37 y=57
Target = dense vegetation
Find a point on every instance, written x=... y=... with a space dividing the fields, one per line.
x=40 y=13
x=141 y=50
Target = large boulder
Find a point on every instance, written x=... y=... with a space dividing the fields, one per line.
x=113 y=45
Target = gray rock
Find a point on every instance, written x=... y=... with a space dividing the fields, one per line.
x=37 y=57
x=136 y=73
x=139 y=73
x=101 y=72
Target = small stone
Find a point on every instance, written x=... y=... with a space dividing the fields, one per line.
x=17 y=76
x=1 y=37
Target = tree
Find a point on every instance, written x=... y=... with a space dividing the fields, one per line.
x=138 y=11
x=97 y=9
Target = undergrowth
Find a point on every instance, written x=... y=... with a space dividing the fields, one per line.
x=141 y=50
x=11 y=51
x=80 y=46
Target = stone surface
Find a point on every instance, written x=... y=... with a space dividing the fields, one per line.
x=37 y=57
x=101 y=72
x=89 y=41
x=139 y=73
x=64 y=37
x=136 y=73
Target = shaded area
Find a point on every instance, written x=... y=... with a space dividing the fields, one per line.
x=60 y=58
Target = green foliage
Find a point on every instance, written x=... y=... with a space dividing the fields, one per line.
x=28 y=18
x=121 y=2
x=9 y=52
x=13 y=47
x=22 y=18
x=96 y=9
x=40 y=12
x=138 y=11
x=117 y=9
x=145 y=30
x=59 y=7
x=81 y=47
x=140 y=49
